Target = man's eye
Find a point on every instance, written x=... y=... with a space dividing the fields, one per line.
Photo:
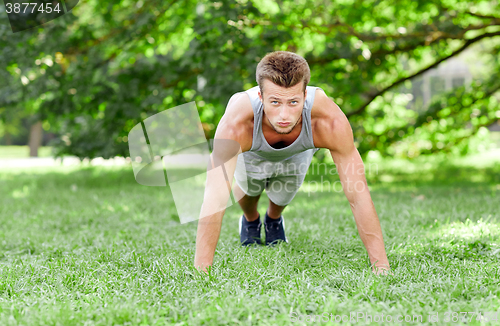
x=295 y=102
x=274 y=102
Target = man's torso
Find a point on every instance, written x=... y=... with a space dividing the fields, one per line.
x=267 y=153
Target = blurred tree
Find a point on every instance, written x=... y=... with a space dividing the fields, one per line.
x=35 y=140
x=96 y=72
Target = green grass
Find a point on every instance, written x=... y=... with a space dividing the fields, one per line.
x=91 y=246
x=23 y=151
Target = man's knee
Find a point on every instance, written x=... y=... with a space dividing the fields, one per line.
x=238 y=192
x=272 y=203
x=248 y=198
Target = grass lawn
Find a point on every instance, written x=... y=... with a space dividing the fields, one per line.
x=90 y=246
x=23 y=151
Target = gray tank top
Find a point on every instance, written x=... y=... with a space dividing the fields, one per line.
x=262 y=160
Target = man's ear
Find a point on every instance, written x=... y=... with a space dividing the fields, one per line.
x=260 y=96
x=305 y=94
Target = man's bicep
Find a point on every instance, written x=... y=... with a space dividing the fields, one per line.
x=233 y=120
x=220 y=172
x=232 y=136
x=227 y=141
x=227 y=146
x=349 y=164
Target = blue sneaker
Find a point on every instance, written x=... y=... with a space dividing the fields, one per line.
x=250 y=231
x=275 y=230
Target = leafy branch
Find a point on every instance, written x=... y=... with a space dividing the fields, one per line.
x=372 y=96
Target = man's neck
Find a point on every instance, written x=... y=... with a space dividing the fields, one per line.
x=277 y=140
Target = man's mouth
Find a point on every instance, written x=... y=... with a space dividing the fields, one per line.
x=283 y=124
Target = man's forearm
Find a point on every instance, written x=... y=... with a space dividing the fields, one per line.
x=206 y=239
x=369 y=230
x=217 y=194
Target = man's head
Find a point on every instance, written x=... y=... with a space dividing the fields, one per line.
x=282 y=77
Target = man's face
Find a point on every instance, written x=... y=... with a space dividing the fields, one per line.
x=282 y=106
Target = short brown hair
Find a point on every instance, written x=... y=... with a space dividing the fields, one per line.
x=283 y=68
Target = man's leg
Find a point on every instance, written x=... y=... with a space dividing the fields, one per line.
x=249 y=206
x=280 y=190
x=274 y=224
x=274 y=211
x=249 y=199
x=250 y=221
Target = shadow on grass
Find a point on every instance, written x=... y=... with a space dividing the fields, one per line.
x=442 y=174
x=376 y=173
x=445 y=175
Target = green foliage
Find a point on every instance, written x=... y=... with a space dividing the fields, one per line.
x=449 y=121
x=98 y=71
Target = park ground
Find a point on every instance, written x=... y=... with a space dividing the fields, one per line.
x=87 y=245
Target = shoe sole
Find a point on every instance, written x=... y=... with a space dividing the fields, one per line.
x=284 y=229
x=240 y=225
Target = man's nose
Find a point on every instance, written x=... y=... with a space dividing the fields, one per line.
x=284 y=113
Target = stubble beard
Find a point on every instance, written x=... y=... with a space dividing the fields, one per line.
x=285 y=132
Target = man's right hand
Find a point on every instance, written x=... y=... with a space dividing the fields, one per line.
x=206 y=240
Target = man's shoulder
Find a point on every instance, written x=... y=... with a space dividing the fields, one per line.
x=237 y=121
x=329 y=123
x=324 y=109
x=239 y=109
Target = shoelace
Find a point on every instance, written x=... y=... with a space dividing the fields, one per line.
x=253 y=227
x=269 y=226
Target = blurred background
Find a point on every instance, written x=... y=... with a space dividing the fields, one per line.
x=414 y=77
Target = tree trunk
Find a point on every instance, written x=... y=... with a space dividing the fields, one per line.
x=8 y=138
x=35 y=138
